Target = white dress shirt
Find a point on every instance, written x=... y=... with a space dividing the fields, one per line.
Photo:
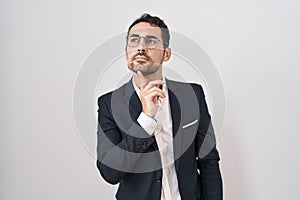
x=161 y=127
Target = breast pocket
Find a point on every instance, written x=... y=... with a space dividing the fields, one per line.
x=192 y=123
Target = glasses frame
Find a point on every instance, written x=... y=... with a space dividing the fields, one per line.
x=145 y=38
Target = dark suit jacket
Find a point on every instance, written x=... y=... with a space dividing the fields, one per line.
x=128 y=155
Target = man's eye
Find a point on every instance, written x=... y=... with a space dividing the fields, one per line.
x=152 y=41
x=134 y=39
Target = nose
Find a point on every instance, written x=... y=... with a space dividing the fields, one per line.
x=142 y=46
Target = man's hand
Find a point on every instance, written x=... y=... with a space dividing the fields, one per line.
x=149 y=94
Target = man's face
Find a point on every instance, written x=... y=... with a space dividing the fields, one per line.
x=141 y=57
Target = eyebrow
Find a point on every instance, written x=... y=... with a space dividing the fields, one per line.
x=134 y=35
x=147 y=36
x=151 y=36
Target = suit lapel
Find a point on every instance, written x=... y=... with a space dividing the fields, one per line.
x=132 y=100
x=173 y=91
x=175 y=110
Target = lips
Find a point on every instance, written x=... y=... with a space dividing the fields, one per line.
x=141 y=58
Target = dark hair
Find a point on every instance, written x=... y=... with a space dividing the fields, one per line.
x=153 y=20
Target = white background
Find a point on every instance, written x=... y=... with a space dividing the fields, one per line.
x=255 y=46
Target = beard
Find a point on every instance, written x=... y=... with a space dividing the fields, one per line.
x=144 y=68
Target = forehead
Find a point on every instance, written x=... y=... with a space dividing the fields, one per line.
x=144 y=29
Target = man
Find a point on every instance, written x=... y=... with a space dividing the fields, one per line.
x=155 y=136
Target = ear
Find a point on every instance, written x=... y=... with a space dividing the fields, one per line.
x=167 y=54
x=126 y=52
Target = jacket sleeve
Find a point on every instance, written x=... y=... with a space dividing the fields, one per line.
x=117 y=153
x=208 y=156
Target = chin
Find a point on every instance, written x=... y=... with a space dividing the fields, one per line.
x=138 y=67
x=145 y=69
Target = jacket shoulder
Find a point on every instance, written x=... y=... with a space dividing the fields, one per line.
x=196 y=86
x=106 y=97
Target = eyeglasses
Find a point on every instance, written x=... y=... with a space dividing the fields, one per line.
x=151 y=42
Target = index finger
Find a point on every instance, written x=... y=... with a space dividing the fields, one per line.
x=154 y=84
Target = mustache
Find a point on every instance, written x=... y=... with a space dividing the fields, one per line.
x=141 y=54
